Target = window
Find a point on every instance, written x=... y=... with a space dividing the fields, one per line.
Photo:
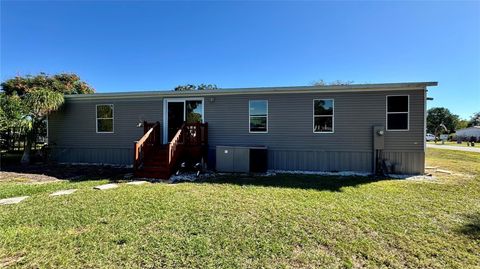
x=258 y=116
x=104 y=118
x=397 y=113
x=194 y=111
x=323 y=115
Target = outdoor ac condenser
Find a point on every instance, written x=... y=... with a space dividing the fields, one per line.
x=241 y=159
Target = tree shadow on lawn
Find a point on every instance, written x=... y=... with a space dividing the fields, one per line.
x=314 y=182
x=472 y=228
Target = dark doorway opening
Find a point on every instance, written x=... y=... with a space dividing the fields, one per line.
x=176 y=117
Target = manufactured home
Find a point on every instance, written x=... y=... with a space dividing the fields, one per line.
x=355 y=128
x=468 y=133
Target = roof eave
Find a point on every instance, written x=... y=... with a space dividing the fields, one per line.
x=263 y=90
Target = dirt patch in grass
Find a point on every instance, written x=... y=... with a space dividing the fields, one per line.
x=42 y=173
x=10 y=261
x=26 y=177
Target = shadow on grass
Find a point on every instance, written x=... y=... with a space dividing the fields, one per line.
x=472 y=228
x=313 y=182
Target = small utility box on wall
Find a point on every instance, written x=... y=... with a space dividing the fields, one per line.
x=378 y=146
x=378 y=137
x=236 y=159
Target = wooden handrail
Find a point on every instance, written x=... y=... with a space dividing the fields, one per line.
x=145 y=136
x=178 y=134
x=189 y=142
x=173 y=147
x=190 y=136
x=149 y=140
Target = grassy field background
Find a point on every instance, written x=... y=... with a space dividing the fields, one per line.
x=281 y=221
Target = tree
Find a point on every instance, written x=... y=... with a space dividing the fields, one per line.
x=474 y=120
x=337 y=82
x=200 y=87
x=27 y=101
x=188 y=87
x=440 y=115
x=64 y=83
x=11 y=112
x=461 y=124
x=39 y=102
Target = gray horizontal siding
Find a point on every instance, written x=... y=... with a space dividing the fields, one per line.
x=290 y=139
x=75 y=124
x=291 y=127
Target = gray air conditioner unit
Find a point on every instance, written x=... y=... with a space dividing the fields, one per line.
x=241 y=159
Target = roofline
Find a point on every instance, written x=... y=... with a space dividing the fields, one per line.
x=471 y=127
x=261 y=90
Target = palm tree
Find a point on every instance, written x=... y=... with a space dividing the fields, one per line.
x=29 y=99
x=38 y=103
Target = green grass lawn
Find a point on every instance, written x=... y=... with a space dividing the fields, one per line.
x=282 y=221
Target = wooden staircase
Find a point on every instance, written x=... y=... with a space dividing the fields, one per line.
x=155 y=160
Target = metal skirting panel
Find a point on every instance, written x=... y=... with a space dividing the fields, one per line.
x=332 y=161
x=289 y=160
x=325 y=161
x=406 y=162
x=116 y=156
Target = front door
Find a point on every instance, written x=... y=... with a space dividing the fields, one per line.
x=179 y=111
x=176 y=115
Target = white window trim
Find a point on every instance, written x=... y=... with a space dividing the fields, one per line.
x=333 y=116
x=112 y=118
x=250 y=116
x=387 y=113
x=178 y=100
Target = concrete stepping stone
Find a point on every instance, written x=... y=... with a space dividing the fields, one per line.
x=106 y=186
x=13 y=200
x=137 y=182
x=444 y=171
x=63 y=192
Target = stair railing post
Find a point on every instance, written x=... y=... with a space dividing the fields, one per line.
x=157 y=134
x=135 y=155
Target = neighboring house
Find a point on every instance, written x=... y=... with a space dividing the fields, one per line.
x=312 y=128
x=467 y=133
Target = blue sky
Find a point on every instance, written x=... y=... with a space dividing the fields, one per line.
x=152 y=45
